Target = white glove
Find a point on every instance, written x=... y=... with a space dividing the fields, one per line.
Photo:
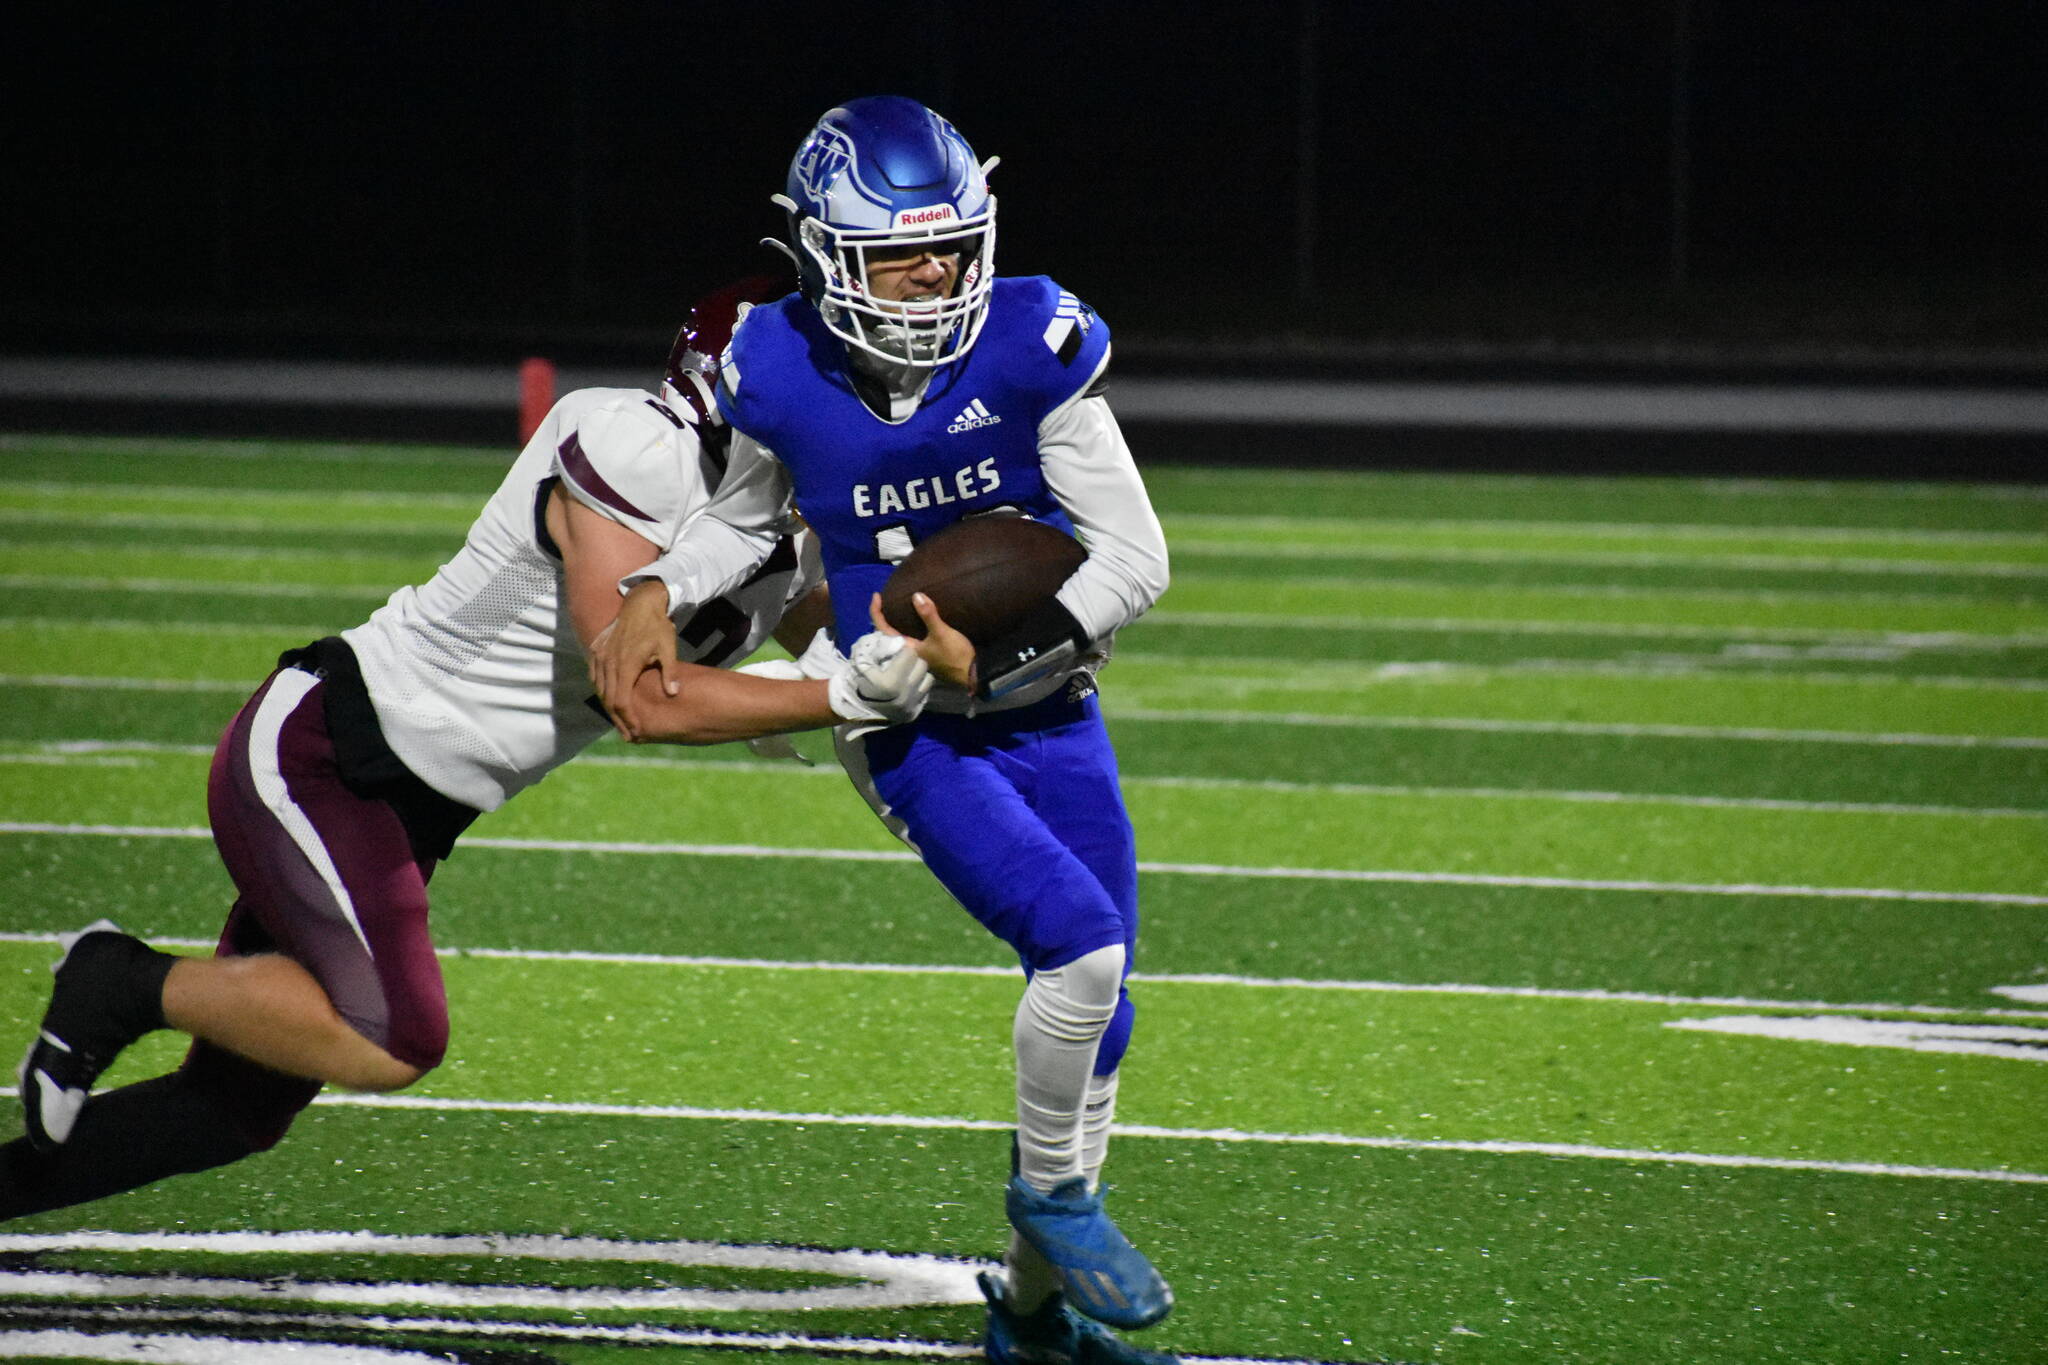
x=778 y=747
x=821 y=658
x=885 y=682
x=784 y=670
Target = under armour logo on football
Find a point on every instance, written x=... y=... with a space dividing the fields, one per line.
x=972 y=416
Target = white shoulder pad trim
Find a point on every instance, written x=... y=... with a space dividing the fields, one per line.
x=1067 y=314
x=632 y=461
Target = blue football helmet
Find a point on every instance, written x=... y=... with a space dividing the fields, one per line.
x=877 y=177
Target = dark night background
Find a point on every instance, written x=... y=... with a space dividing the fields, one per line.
x=1468 y=186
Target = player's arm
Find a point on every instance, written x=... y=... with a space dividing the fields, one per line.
x=1089 y=468
x=714 y=706
x=736 y=532
x=806 y=616
x=810 y=608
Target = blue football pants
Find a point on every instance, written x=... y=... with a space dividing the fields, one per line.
x=1020 y=816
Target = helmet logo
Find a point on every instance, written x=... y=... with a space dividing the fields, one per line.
x=822 y=161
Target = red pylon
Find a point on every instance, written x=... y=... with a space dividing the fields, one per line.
x=536 y=394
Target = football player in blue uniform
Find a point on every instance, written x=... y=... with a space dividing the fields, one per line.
x=902 y=388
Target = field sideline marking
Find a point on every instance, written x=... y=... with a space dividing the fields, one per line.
x=181 y=1348
x=860 y=1279
x=1635 y=530
x=209 y=587
x=1451 y=625
x=114 y=752
x=1594 y=996
x=1199 y=547
x=1567 y=727
x=367 y=498
x=1280 y=673
x=751 y=1342
x=1326 y=874
x=1283 y=674
x=1592 y=592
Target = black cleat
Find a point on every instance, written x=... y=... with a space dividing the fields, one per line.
x=85 y=1028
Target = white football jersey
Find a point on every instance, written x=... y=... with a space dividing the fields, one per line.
x=479 y=681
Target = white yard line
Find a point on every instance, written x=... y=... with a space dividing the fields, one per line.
x=1215 y=716
x=432 y=1104
x=1198 y=547
x=368 y=498
x=126 y=754
x=1902 y=639
x=212 y=586
x=1494 y=527
x=1596 y=592
x=1564 y=727
x=79 y=682
x=1592 y=797
x=1598 y=997
x=1330 y=874
x=1272 y=674
x=1232 y=1135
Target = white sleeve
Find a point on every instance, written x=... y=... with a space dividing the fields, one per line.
x=734 y=533
x=616 y=453
x=1090 y=470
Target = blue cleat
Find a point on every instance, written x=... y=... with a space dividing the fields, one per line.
x=1103 y=1274
x=1053 y=1334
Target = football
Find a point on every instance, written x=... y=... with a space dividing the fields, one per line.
x=984 y=574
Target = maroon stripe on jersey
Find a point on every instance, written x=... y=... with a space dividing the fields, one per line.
x=578 y=467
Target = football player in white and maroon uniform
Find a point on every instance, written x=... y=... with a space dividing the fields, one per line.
x=349 y=774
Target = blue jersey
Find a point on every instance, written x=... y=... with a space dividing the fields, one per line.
x=870 y=488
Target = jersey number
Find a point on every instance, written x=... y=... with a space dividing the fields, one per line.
x=719 y=629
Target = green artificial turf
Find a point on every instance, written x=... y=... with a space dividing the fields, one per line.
x=1294 y=1252
x=1845 y=951
x=1204 y=824
x=1734 y=683
x=1422 y=1066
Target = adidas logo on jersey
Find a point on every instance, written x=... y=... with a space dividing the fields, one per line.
x=972 y=416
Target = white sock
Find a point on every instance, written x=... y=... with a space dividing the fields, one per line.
x=1096 y=1116
x=1059 y=1025
x=1031 y=1278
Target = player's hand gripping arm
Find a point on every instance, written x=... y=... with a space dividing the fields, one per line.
x=884 y=683
x=720 y=547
